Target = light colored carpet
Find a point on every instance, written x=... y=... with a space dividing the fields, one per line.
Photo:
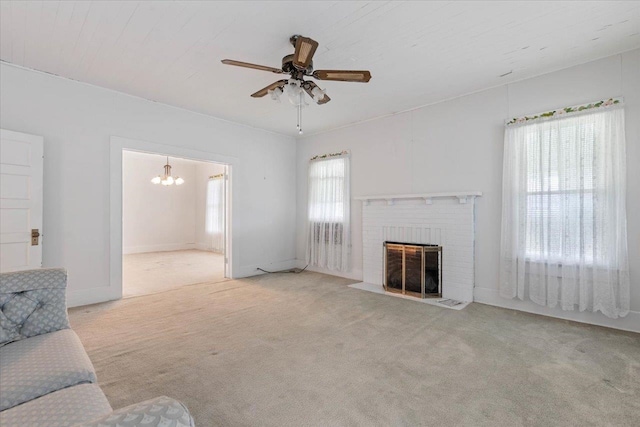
x=305 y=349
x=152 y=272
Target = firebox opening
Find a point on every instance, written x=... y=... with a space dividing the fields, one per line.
x=413 y=269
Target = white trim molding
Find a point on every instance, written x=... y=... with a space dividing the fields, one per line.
x=166 y=247
x=462 y=196
x=254 y=270
x=631 y=322
x=118 y=144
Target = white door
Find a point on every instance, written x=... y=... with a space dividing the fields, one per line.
x=20 y=201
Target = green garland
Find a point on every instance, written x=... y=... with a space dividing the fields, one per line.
x=555 y=113
x=326 y=156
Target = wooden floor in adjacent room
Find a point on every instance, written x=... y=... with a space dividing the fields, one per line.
x=152 y=272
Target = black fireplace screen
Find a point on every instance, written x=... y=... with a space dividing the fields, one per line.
x=413 y=269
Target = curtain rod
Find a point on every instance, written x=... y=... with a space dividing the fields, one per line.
x=329 y=155
x=565 y=111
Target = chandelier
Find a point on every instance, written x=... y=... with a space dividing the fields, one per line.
x=167 y=179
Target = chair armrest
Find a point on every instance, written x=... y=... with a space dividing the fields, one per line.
x=32 y=302
x=158 y=411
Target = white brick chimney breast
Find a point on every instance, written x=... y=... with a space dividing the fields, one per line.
x=446 y=219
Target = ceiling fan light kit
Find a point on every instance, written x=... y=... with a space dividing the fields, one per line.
x=300 y=65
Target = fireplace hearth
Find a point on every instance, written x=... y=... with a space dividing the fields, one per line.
x=413 y=269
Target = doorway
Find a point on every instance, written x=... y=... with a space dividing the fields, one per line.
x=118 y=146
x=173 y=222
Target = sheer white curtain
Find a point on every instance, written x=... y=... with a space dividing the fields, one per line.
x=329 y=233
x=564 y=237
x=214 y=216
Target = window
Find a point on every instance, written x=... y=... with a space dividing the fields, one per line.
x=561 y=183
x=214 y=215
x=328 y=213
x=327 y=185
x=564 y=236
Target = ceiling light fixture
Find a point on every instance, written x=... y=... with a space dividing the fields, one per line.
x=300 y=65
x=167 y=179
x=294 y=89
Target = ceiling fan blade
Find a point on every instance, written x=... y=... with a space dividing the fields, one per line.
x=343 y=75
x=262 y=92
x=254 y=66
x=309 y=86
x=305 y=48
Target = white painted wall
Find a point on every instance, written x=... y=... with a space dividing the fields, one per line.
x=77 y=121
x=457 y=145
x=202 y=173
x=157 y=217
x=164 y=218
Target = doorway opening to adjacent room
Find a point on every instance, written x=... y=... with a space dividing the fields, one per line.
x=174 y=222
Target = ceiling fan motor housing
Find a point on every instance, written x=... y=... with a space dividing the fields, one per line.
x=289 y=67
x=293 y=39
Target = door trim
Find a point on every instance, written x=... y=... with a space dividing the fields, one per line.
x=117 y=145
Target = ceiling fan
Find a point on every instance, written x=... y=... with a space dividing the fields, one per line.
x=300 y=65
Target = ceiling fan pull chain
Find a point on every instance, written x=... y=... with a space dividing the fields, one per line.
x=301 y=99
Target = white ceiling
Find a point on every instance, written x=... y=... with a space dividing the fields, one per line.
x=418 y=52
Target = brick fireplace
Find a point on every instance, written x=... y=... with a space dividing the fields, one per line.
x=440 y=219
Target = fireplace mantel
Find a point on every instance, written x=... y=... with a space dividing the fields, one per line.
x=462 y=196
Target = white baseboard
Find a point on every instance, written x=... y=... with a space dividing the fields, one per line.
x=158 y=248
x=353 y=274
x=252 y=270
x=80 y=297
x=205 y=247
x=631 y=322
